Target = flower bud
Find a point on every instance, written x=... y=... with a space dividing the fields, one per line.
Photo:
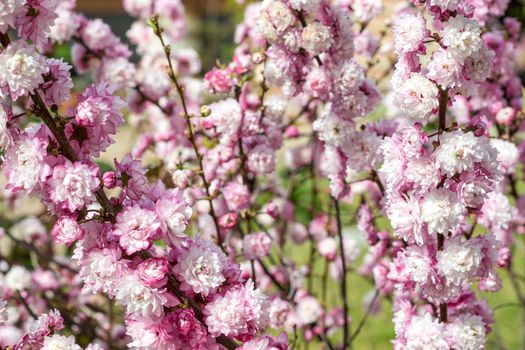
x=205 y=111
x=109 y=179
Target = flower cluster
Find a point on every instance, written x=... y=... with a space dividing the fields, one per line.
x=246 y=196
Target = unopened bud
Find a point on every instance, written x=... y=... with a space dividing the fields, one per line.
x=258 y=58
x=205 y=110
x=109 y=179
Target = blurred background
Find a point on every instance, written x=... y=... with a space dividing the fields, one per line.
x=213 y=22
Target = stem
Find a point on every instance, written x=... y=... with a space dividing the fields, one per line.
x=443 y=101
x=26 y=305
x=365 y=317
x=346 y=330
x=191 y=135
x=42 y=112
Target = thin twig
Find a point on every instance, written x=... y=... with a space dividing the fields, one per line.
x=346 y=329
x=191 y=135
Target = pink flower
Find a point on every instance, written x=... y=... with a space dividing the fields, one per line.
x=174 y=212
x=256 y=245
x=219 y=80
x=237 y=196
x=261 y=159
x=327 y=248
x=72 y=185
x=34 y=23
x=67 y=230
x=58 y=84
x=136 y=228
x=24 y=164
x=188 y=330
x=317 y=83
x=154 y=272
x=109 y=179
x=101 y=269
x=267 y=343
x=241 y=312
x=131 y=177
x=228 y=221
x=200 y=267
x=97 y=117
x=147 y=333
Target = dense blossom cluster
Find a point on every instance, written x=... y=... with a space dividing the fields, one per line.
x=185 y=241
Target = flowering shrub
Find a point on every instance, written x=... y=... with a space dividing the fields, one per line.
x=184 y=242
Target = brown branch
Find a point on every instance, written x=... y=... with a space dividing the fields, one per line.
x=344 y=296
x=191 y=135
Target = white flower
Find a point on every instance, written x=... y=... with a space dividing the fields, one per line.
x=405 y=218
x=60 y=342
x=461 y=36
x=451 y=5
x=18 y=278
x=417 y=265
x=308 y=310
x=365 y=10
x=409 y=32
x=363 y=153
x=352 y=250
x=508 y=155
x=307 y=5
x=279 y=311
x=201 y=267
x=444 y=69
x=274 y=19
x=425 y=333
x=442 y=211
x=275 y=106
x=332 y=130
x=100 y=271
x=139 y=299
x=25 y=161
x=393 y=164
x=467 y=331
x=459 y=151
x=65 y=26
x=422 y=172
x=226 y=117
x=119 y=71
x=21 y=69
x=459 y=261
x=417 y=97
x=316 y=38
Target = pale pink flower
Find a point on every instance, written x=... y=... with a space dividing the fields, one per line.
x=200 y=267
x=138 y=298
x=21 y=70
x=242 y=311
x=136 y=228
x=72 y=185
x=67 y=230
x=256 y=245
x=237 y=196
x=153 y=272
x=57 y=86
x=34 y=23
